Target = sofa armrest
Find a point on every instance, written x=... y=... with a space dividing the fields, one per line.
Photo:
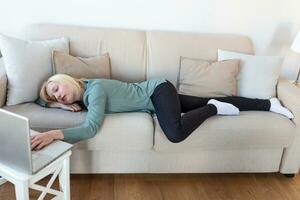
x=289 y=95
x=3 y=83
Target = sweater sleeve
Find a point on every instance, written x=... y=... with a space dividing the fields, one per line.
x=94 y=118
x=41 y=102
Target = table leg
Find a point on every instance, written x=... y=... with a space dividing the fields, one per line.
x=64 y=179
x=22 y=190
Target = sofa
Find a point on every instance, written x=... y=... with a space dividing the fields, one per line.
x=133 y=142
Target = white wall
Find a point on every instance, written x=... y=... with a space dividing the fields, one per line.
x=271 y=24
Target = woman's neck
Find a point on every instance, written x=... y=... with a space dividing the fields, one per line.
x=80 y=95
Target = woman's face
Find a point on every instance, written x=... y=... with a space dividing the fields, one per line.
x=63 y=93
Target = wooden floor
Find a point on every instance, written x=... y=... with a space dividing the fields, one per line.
x=265 y=186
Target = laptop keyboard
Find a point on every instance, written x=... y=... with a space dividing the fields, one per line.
x=35 y=155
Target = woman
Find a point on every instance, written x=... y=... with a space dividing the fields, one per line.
x=158 y=96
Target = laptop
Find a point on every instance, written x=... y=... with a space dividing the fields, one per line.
x=15 y=147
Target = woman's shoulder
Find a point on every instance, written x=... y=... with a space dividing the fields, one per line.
x=93 y=85
x=88 y=83
x=157 y=80
x=101 y=84
x=99 y=80
x=96 y=80
x=93 y=90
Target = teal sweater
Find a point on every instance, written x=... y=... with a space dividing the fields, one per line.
x=109 y=96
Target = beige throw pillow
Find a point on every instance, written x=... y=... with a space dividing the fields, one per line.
x=208 y=79
x=78 y=67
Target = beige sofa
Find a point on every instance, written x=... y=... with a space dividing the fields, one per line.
x=133 y=142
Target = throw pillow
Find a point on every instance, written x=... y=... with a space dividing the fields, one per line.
x=207 y=79
x=78 y=67
x=27 y=65
x=258 y=75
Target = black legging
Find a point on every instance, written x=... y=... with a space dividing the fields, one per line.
x=169 y=105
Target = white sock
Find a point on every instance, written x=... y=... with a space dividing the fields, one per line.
x=278 y=108
x=224 y=108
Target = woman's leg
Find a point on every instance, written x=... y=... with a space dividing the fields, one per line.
x=168 y=111
x=242 y=103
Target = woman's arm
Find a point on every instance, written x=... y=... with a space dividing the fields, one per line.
x=71 y=107
x=94 y=118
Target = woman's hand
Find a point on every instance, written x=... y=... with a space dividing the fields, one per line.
x=41 y=140
x=71 y=107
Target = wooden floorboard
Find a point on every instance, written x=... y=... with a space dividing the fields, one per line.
x=265 y=186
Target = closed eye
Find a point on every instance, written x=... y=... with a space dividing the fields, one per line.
x=52 y=96
x=54 y=90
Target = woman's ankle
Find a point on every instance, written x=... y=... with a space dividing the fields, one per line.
x=276 y=107
x=224 y=108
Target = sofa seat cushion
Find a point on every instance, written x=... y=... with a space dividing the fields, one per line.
x=119 y=131
x=251 y=129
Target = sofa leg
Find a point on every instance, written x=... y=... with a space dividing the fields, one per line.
x=289 y=175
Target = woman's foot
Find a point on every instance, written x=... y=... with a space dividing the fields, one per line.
x=278 y=108
x=224 y=108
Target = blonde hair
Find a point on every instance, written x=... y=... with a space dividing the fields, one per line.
x=75 y=83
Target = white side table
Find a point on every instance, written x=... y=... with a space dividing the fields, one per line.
x=60 y=167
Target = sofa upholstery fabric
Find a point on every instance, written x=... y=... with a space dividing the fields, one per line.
x=3 y=83
x=250 y=129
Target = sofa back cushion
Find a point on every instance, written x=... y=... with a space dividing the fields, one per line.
x=137 y=55
x=127 y=48
x=165 y=48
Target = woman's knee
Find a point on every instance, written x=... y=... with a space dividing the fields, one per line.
x=174 y=136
